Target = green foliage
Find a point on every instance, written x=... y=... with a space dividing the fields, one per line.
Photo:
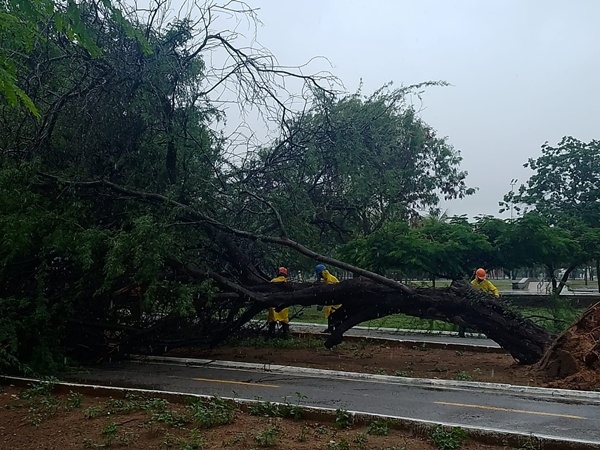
x=353 y=163
x=533 y=240
x=267 y=437
x=213 y=413
x=565 y=183
x=343 y=419
x=286 y=410
x=74 y=400
x=361 y=440
x=448 y=438
x=308 y=342
x=342 y=444
x=379 y=427
x=442 y=249
x=25 y=23
x=461 y=375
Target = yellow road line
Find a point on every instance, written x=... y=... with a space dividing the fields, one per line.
x=524 y=411
x=212 y=380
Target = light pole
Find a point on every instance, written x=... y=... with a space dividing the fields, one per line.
x=512 y=189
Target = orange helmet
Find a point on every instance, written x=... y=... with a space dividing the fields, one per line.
x=282 y=271
x=480 y=273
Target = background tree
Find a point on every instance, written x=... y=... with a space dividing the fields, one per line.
x=350 y=164
x=531 y=240
x=566 y=182
x=440 y=249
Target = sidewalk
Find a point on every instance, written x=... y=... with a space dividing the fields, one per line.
x=447 y=338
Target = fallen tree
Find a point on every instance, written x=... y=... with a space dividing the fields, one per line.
x=366 y=297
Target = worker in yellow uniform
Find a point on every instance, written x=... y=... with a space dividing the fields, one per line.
x=282 y=316
x=483 y=284
x=325 y=277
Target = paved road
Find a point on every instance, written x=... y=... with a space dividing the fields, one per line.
x=456 y=406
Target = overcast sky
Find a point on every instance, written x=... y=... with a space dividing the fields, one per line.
x=522 y=72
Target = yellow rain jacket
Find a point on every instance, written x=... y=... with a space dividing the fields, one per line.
x=329 y=279
x=283 y=315
x=486 y=286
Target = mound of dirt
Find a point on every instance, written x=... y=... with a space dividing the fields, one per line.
x=573 y=359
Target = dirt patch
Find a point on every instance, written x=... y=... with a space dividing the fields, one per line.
x=55 y=422
x=386 y=359
x=573 y=360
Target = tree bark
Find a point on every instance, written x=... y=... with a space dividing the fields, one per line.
x=363 y=300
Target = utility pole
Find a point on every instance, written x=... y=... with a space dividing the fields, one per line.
x=512 y=190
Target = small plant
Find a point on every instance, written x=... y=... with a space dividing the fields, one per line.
x=74 y=400
x=448 y=439
x=110 y=429
x=343 y=419
x=154 y=404
x=235 y=440
x=267 y=409
x=463 y=376
x=173 y=419
x=402 y=373
x=267 y=437
x=92 y=412
x=379 y=428
x=213 y=413
x=321 y=430
x=303 y=436
x=361 y=440
x=459 y=353
x=41 y=389
x=382 y=372
x=341 y=445
x=477 y=371
x=109 y=432
x=197 y=441
x=119 y=406
x=126 y=439
x=293 y=411
x=530 y=444
x=168 y=441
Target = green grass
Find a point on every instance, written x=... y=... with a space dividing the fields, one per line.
x=401 y=321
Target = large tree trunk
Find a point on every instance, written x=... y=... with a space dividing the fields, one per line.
x=363 y=300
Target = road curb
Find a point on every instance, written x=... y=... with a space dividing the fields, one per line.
x=516 y=390
x=419 y=427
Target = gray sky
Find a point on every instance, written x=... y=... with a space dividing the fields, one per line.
x=522 y=72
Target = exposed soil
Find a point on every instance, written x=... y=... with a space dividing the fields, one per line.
x=55 y=422
x=573 y=359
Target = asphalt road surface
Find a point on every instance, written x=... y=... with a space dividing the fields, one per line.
x=459 y=406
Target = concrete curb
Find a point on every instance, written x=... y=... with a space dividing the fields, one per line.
x=423 y=428
x=565 y=395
